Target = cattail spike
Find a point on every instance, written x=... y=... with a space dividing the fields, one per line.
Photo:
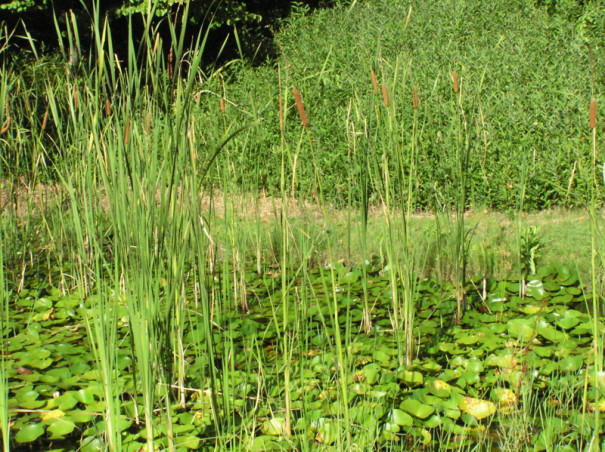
x=415 y=101
x=455 y=81
x=107 y=107
x=127 y=133
x=593 y=113
x=374 y=81
x=221 y=104
x=385 y=95
x=281 y=113
x=76 y=98
x=148 y=123
x=300 y=107
x=170 y=62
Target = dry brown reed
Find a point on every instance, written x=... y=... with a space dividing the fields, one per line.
x=385 y=95
x=455 y=81
x=593 y=113
x=374 y=81
x=300 y=107
x=7 y=123
x=45 y=120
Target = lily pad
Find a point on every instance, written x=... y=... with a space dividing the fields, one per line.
x=479 y=409
x=29 y=433
x=416 y=408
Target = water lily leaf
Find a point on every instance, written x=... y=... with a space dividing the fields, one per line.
x=274 y=427
x=535 y=289
x=29 y=433
x=503 y=397
x=571 y=363
x=440 y=388
x=92 y=444
x=479 y=409
x=371 y=373
x=84 y=396
x=521 y=328
x=531 y=309
x=416 y=408
x=569 y=319
x=400 y=417
x=391 y=427
x=549 y=332
x=188 y=442
x=327 y=431
x=29 y=400
x=468 y=340
x=410 y=378
x=60 y=427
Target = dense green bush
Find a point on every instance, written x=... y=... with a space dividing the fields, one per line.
x=526 y=82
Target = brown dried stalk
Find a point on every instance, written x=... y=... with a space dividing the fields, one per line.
x=593 y=113
x=415 y=101
x=7 y=123
x=45 y=120
x=300 y=107
x=374 y=81
x=455 y=80
x=385 y=95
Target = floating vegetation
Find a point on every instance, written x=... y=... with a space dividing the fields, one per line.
x=512 y=352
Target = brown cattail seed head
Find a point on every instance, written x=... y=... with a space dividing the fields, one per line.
x=281 y=113
x=76 y=98
x=221 y=104
x=300 y=107
x=455 y=81
x=107 y=107
x=593 y=113
x=170 y=61
x=374 y=81
x=45 y=120
x=148 y=123
x=415 y=102
x=385 y=95
x=127 y=133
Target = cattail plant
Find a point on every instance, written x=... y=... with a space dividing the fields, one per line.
x=221 y=104
x=385 y=95
x=170 y=63
x=127 y=132
x=415 y=101
x=300 y=107
x=455 y=81
x=593 y=113
x=374 y=81
x=107 y=107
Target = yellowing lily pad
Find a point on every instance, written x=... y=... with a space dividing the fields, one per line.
x=479 y=409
